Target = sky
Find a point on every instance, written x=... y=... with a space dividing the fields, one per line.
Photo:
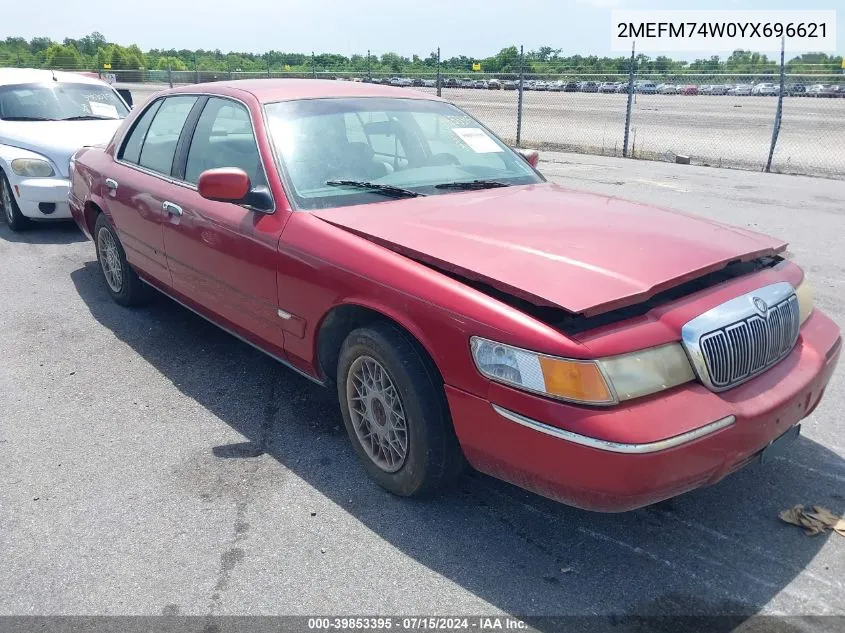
x=476 y=28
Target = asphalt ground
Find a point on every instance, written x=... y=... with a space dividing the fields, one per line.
x=712 y=130
x=152 y=464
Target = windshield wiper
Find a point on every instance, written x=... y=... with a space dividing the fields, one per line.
x=471 y=184
x=25 y=118
x=89 y=117
x=375 y=187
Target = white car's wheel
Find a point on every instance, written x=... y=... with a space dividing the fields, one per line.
x=11 y=212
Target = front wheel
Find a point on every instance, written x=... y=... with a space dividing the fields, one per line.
x=122 y=282
x=395 y=411
x=16 y=220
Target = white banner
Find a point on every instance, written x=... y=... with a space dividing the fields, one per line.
x=722 y=31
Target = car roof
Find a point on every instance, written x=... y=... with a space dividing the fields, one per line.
x=37 y=75
x=271 y=90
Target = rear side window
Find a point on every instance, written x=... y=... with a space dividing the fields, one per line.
x=131 y=151
x=159 y=145
x=223 y=138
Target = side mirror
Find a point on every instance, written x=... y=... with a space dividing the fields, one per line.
x=531 y=156
x=226 y=184
x=230 y=184
x=126 y=95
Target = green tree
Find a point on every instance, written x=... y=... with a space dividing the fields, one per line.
x=174 y=63
x=61 y=56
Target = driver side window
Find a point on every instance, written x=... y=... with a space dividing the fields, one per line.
x=223 y=138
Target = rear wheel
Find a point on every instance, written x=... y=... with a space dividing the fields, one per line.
x=122 y=282
x=16 y=220
x=395 y=411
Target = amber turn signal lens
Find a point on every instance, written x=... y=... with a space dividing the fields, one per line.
x=574 y=380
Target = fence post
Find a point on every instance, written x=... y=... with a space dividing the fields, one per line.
x=778 y=110
x=519 y=97
x=268 y=68
x=169 y=75
x=369 y=68
x=229 y=67
x=313 y=66
x=439 y=78
x=196 y=71
x=630 y=105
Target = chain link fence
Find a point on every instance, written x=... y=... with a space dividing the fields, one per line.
x=780 y=122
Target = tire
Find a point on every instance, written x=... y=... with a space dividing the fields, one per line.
x=16 y=220
x=432 y=456
x=122 y=282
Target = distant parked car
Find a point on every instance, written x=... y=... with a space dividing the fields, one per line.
x=494 y=84
x=765 y=90
x=667 y=89
x=479 y=84
x=465 y=83
x=646 y=87
x=429 y=83
x=718 y=89
x=740 y=90
x=607 y=86
x=571 y=86
x=555 y=86
x=510 y=84
x=689 y=89
x=796 y=90
x=589 y=86
x=820 y=90
x=622 y=87
x=450 y=82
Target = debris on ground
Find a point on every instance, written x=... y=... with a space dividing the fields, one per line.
x=815 y=520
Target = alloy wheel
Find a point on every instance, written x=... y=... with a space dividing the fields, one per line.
x=110 y=260
x=378 y=416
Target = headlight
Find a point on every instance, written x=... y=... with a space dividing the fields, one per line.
x=601 y=382
x=647 y=371
x=804 y=293
x=32 y=168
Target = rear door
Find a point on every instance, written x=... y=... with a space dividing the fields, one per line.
x=139 y=180
x=221 y=255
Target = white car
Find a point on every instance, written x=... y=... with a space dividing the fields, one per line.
x=667 y=89
x=740 y=90
x=765 y=90
x=45 y=117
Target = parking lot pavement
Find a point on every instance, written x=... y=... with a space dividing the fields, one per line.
x=150 y=463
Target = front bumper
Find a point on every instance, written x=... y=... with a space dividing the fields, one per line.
x=644 y=451
x=42 y=197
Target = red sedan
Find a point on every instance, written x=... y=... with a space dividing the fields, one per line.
x=383 y=242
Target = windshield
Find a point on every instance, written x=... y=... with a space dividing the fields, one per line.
x=413 y=144
x=59 y=101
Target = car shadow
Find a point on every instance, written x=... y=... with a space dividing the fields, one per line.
x=716 y=551
x=54 y=232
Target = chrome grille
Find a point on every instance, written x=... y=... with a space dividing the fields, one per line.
x=736 y=352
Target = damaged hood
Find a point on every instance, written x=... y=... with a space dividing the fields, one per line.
x=552 y=246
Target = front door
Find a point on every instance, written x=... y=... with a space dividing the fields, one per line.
x=221 y=255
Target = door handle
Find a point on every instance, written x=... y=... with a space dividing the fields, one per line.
x=111 y=184
x=172 y=209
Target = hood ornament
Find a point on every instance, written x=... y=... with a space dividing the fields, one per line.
x=761 y=306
